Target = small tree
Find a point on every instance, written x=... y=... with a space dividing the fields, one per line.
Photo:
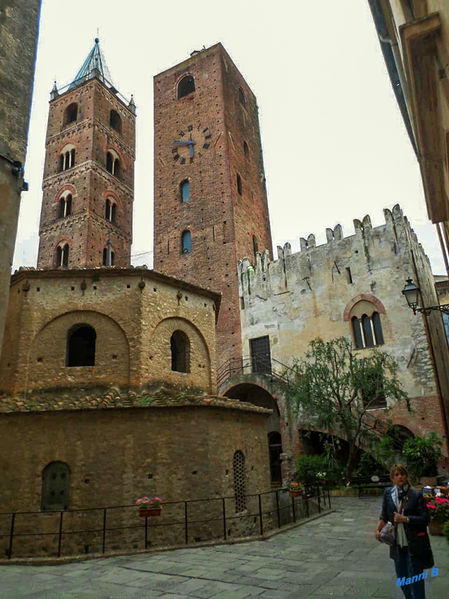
x=334 y=388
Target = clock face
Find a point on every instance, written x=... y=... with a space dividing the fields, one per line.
x=191 y=143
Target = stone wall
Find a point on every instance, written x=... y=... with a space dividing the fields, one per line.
x=19 y=22
x=117 y=455
x=311 y=293
x=134 y=313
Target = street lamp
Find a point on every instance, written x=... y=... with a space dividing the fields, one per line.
x=412 y=294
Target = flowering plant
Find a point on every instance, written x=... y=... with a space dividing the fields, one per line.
x=148 y=503
x=321 y=475
x=439 y=509
x=295 y=487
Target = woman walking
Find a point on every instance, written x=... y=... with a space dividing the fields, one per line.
x=406 y=510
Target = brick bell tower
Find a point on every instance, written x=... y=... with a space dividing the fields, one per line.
x=88 y=184
x=210 y=201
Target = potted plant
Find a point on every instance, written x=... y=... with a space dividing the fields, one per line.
x=439 y=514
x=149 y=506
x=296 y=489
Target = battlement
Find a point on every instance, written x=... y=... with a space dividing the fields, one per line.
x=396 y=229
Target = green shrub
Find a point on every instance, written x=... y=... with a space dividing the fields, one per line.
x=422 y=455
x=309 y=467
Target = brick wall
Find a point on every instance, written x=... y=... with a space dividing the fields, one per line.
x=118 y=455
x=86 y=229
x=221 y=221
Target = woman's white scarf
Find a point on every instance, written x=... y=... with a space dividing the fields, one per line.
x=400 y=530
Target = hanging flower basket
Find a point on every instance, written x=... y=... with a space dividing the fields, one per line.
x=149 y=506
x=150 y=512
x=296 y=489
x=295 y=493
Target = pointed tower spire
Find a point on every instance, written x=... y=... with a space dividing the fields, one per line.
x=93 y=66
x=54 y=92
x=132 y=105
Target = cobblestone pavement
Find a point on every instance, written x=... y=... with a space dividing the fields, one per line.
x=333 y=556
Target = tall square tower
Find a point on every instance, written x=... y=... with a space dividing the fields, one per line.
x=88 y=184
x=210 y=201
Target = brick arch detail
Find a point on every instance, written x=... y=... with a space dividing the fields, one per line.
x=367 y=297
x=64 y=188
x=60 y=240
x=109 y=193
x=181 y=76
x=67 y=143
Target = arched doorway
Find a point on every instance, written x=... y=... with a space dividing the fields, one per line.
x=259 y=397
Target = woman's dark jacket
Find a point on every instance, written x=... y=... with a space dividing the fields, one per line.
x=416 y=531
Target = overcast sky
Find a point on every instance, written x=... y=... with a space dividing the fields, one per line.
x=335 y=146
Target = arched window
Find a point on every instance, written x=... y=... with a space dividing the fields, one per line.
x=275 y=449
x=379 y=338
x=185 y=191
x=67 y=158
x=62 y=255
x=110 y=210
x=180 y=352
x=186 y=86
x=107 y=262
x=81 y=346
x=239 y=184
x=367 y=331
x=357 y=331
x=239 y=481
x=71 y=113
x=366 y=325
x=112 y=163
x=55 y=487
x=115 y=121
x=186 y=242
x=65 y=205
x=242 y=97
x=245 y=149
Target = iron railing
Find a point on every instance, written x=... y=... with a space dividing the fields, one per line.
x=269 y=367
x=265 y=511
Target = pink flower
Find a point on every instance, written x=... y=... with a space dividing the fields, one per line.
x=432 y=507
x=157 y=499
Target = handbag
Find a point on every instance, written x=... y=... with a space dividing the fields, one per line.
x=388 y=534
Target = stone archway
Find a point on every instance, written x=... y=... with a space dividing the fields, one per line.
x=257 y=395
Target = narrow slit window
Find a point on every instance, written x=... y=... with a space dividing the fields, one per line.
x=239 y=185
x=185 y=191
x=186 y=242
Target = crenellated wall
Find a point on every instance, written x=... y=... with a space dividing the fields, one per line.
x=309 y=294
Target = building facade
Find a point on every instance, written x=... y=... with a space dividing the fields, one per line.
x=210 y=201
x=19 y=24
x=350 y=287
x=414 y=38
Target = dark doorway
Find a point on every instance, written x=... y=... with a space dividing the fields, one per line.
x=81 y=346
x=275 y=449
x=180 y=352
x=260 y=354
